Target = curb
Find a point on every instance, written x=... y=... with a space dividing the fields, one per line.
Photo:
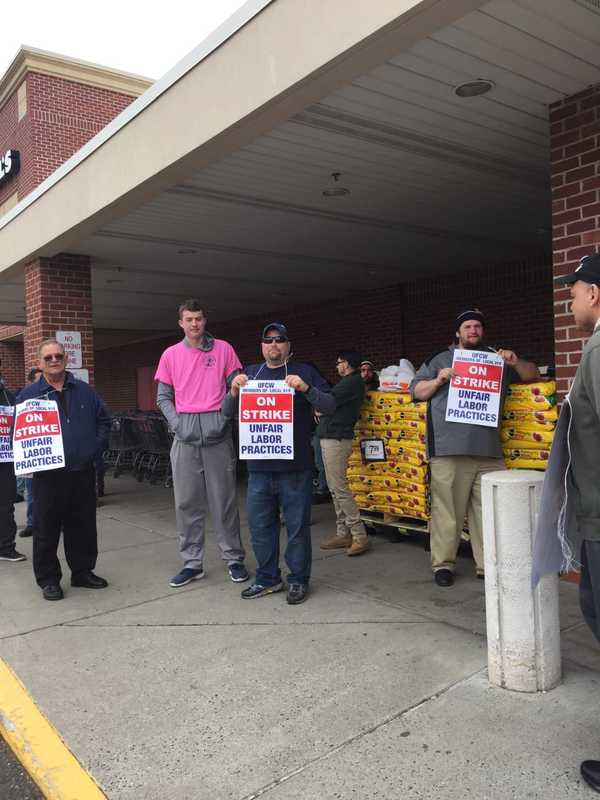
x=38 y=745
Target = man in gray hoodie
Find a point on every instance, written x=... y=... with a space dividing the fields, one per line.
x=583 y=444
x=193 y=377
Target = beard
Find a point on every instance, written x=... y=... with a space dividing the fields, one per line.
x=469 y=344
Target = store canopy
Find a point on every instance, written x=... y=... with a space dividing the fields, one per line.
x=224 y=180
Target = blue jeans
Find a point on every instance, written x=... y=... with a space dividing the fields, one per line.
x=321 y=487
x=267 y=493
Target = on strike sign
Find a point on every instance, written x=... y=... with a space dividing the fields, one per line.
x=37 y=440
x=475 y=389
x=6 y=420
x=266 y=420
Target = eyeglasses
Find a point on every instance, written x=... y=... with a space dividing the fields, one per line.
x=54 y=357
x=271 y=339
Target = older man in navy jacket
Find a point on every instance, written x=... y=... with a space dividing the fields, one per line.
x=66 y=498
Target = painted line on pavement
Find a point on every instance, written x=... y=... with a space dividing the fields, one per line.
x=38 y=745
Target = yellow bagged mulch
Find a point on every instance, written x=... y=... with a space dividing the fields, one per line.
x=513 y=454
x=399 y=470
x=401 y=511
x=530 y=419
x=398 y=499
x=361 y=500
x=533 y=403
x=378 y=424
x=525 y=463
x=525 y=391
x=360 y=484
x=380 y=418
x=392 y=401
x=518 y=434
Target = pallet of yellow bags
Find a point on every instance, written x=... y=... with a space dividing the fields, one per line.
x=528 y=421
x=393 y=492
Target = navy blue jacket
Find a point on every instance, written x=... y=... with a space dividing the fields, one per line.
x=318 y=398
x=85 y=425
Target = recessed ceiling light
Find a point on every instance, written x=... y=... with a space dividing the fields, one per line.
x=336 y=191
x=474 y=88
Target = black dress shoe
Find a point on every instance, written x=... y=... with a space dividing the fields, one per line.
x=52 y=592
x=590 y=772
x=26 y=532
x=443 y=577
x=88 y=580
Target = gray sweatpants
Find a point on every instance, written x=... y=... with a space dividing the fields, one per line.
x=204 y=479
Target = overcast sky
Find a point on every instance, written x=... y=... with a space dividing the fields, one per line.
x=146 y=38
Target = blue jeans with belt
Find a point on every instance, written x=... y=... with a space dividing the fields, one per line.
x=268 y=492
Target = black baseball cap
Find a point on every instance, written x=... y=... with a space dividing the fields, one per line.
x=588 y=271
x=277 y=326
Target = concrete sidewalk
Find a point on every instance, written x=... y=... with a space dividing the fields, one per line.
x=374 y=688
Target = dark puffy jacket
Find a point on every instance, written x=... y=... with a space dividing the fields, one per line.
x=86 y=423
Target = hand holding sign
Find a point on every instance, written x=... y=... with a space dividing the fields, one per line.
x=296 y=382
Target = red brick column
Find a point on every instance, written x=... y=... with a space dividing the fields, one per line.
x=58 y=297
x=575 y=143
x=12 y=369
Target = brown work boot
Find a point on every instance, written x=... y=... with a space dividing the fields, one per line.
x=337 y=542
x=360 y=544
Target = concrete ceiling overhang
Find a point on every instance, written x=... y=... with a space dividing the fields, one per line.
x=216 y=187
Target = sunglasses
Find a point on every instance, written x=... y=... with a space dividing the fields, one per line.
x=271 y=339
x=54 y=357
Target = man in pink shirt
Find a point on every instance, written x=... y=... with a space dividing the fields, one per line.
x=193 y=377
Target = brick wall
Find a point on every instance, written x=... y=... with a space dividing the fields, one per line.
x=58 y=296
x=61 y=117
x=410 y=320
x=575 y=142
x=12 y=368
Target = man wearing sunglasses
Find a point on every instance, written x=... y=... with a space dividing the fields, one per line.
x=65 y=498
x=275 y=485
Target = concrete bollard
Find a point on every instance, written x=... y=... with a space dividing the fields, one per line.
x=523 y=629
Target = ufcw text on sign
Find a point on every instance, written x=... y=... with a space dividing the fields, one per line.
x=475 y=389
x=266 y=420
x=6 y=421
x=37 y=440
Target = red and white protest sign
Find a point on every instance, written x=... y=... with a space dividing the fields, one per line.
x=476 y=388
x=6 y=420
x=37 y=440
x=266 y=420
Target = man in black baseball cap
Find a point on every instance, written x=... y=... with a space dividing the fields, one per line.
x=460 y=453
x=278 y=484
x=571 y=539
x=588 y=271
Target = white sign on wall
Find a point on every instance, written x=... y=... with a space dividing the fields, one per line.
x=71 y=341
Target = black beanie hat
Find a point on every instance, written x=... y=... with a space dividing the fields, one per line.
x=472 y=313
